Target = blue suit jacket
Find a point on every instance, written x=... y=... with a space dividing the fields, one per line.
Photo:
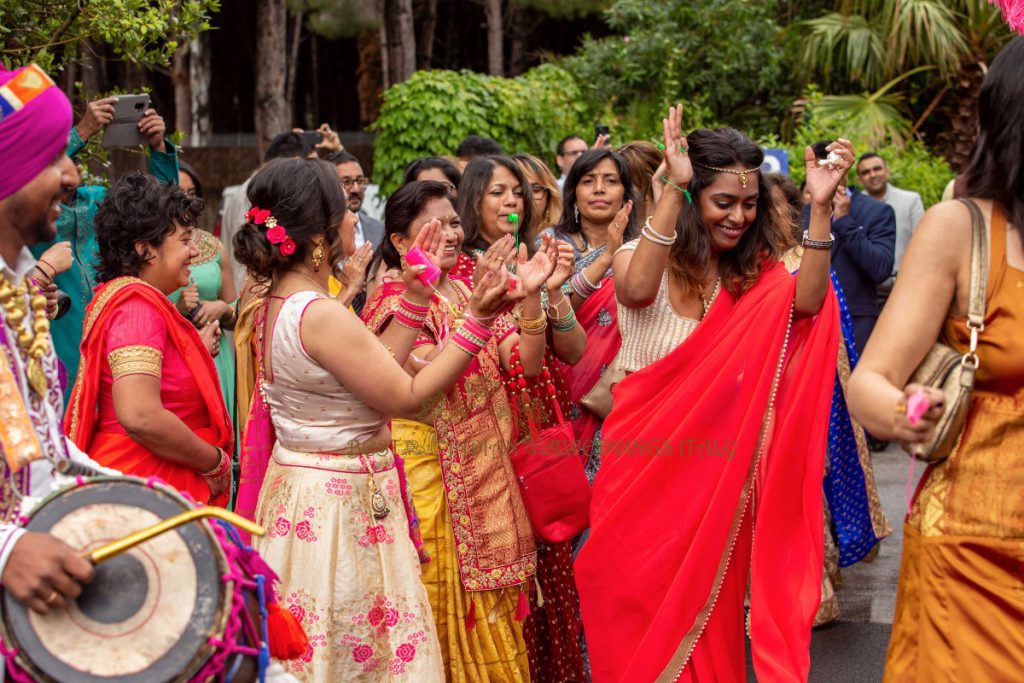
x=864 y=250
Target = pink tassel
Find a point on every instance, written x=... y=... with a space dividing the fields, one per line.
x=471 y=614
x=523 y=605
x=1013 y=13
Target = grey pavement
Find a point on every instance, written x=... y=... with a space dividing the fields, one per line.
x=852 y=649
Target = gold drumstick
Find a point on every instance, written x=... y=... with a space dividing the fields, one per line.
x=117 y=547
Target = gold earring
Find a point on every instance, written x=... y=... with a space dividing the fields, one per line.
x=405 y=264
x=318 y=255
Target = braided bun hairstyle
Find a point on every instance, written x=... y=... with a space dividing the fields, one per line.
x=306 y=198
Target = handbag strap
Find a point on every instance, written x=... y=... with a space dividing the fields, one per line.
x=976 y=290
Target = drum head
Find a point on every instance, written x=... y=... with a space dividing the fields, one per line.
x=149 y=613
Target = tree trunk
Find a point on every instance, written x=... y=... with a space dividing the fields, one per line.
x=293 y=64
x=401 y=40
x=182 y=82
x=956 y=141
x=199 y=73
x=271 y=112
x=428 y=27
x=369 y=86
x=385 y=57
x=495 y=38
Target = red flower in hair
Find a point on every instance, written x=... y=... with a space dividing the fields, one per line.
x=287 y=247
x=257 y=215
x=276 y=234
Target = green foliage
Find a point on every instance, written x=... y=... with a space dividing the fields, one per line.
x=724 y=57
x=433 y=111
x=339 y=18
x=142 y=31
x=913 y=166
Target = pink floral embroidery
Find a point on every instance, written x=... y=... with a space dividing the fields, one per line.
x=305 y=531
x=376 y=534
x=405 y=652
x=298 y=612
x=397 y=666
x=281 y=527
x=391 y=617
x=375 y=616
x=361 y=653
x=338 y=487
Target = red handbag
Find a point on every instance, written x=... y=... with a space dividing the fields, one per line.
x=554 y=485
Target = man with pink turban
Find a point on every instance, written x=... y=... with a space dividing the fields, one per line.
x=35 y=173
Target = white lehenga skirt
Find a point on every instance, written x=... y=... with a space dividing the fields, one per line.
x=351 y=579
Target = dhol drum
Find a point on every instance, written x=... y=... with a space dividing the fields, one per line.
x=183 y=606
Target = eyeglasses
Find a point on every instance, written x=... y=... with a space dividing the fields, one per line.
x=573 y=153
x=538 y=191
x=347 y=183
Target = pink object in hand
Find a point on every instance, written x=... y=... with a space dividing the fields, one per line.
x=417 y=257
x=917 y=405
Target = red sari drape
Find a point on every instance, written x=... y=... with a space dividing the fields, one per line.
x=119 y=451
x=700 y=486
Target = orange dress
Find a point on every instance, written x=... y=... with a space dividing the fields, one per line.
x=960 y=605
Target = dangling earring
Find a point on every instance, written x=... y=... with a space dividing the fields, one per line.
x=405 y=264
x=318 y=255
x=576 y=212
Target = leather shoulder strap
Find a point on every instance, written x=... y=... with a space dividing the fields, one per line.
x=979 y=267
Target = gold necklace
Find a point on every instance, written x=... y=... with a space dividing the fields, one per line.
x=35 y=343
x=707 y=303
x=453 y=310
x=318 y=285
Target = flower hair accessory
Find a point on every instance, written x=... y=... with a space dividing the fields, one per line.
x=276 y=233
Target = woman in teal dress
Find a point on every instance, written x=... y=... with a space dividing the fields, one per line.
x=210 y=297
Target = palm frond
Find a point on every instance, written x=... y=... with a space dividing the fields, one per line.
x=922 y=32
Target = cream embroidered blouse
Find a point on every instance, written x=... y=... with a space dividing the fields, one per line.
x=649 y=334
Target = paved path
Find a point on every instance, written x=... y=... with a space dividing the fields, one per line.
x=852 y=650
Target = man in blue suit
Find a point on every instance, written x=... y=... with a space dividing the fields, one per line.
x=864 y=230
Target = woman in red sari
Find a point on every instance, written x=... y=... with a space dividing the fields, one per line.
x=147 y=400
x=717 y=435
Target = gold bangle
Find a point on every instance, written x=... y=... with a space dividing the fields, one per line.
x=535 y=330
x=901 y=408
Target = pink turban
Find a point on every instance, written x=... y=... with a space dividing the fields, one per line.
x=35 y=120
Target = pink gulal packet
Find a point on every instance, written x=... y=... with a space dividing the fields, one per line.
x=417 y=257
x=917 y=405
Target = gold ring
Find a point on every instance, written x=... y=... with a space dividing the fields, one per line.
x=617 y=226
x=53 y=596
x=901 y=408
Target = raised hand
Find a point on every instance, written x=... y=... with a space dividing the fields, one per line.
x=823 y=180
x=492 y=296
x=533 y=273
x=353 y=272
x=189 y=299
x=613 y=239
x=152 y=127
x=98 y=115
x=499 y=255
x=677 y=161
x=565 y=259
x=429 y=239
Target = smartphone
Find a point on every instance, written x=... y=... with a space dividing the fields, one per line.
x=312 y=137
x=123 y=130
x=602 y=129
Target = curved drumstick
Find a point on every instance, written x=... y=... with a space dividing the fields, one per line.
x=117 y=547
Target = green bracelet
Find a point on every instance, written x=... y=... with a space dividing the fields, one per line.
x=686 y=192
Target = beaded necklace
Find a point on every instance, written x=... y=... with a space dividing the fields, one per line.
x=33 y=343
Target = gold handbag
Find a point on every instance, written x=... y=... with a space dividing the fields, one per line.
x=946 y=369
x=599 y=399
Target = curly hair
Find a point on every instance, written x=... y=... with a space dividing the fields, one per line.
x=305 y=197
x=763 y=243
x=139 y=208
